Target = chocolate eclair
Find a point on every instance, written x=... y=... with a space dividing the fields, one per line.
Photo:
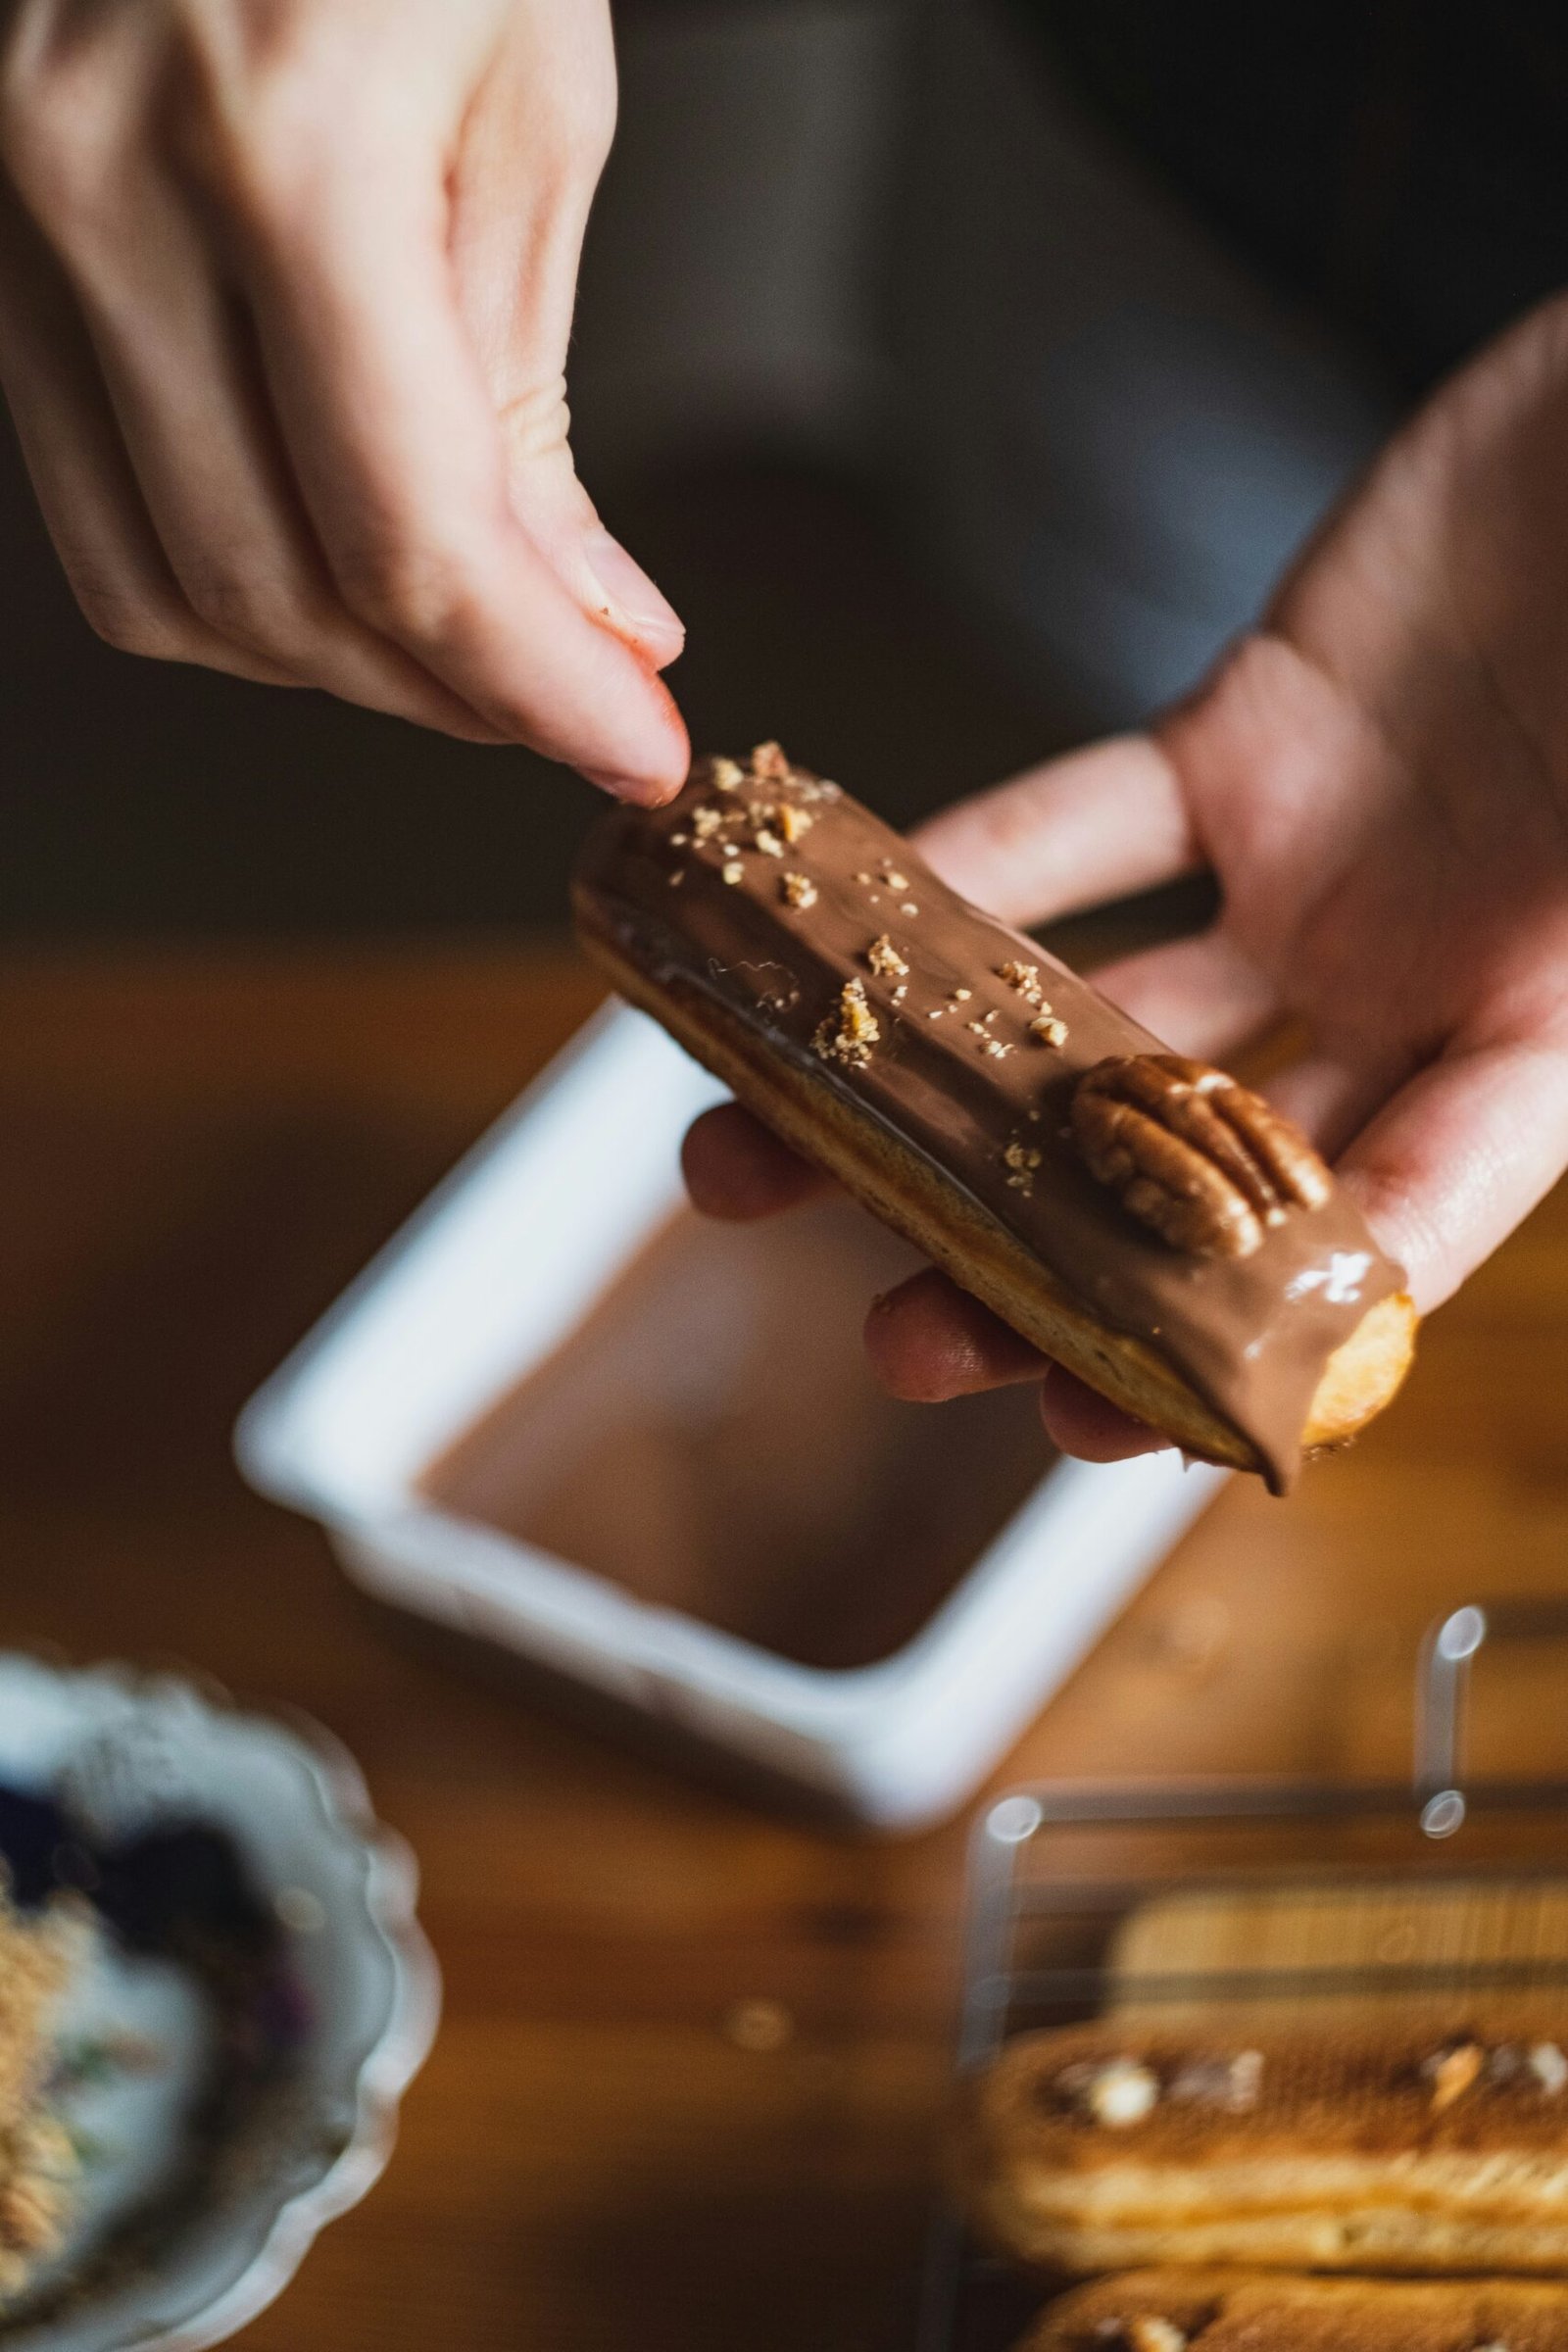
x=1143 y=1219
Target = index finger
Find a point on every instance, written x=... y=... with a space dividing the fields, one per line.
x=928 y=1342
x=736 y=1168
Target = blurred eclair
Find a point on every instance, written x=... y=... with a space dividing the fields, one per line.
x=1383 y=2148
x=1197 y=2311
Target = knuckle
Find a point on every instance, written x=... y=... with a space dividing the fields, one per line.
x=274 y=609
x=573 y=117
x=59 y=137
x=408 y=589
x=258 y=164
x=231 y=603
x=129 y=623
x=537 y=425
x=259 y=121
x=267 y=118
x=585 y=129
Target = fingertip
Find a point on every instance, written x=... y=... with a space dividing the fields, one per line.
x=1088 y=1426
x=735 y=1170
x=663 y=748
x=638 y=790
x=928 y=1340
x=1092 y=825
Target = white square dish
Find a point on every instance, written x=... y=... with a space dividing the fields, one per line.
x=487 y=1281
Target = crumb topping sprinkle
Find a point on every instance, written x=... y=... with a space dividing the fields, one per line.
x=1147 y=2332
x=848 y=1033
x=885 y=960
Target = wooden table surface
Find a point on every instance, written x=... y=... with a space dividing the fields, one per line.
x=197 y=1150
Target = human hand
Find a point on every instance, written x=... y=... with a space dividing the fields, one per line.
x=1379 y=778
x=285 y=293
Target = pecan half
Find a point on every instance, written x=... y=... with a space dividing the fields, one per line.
x=1203 y=1159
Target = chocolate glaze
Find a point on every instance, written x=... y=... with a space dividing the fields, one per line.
x=1251 y=1334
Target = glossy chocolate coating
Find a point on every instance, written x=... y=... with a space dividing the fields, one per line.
x=1251 y=1335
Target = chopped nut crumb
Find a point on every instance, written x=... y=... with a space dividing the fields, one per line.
x=768 y=763
x=900 y=992
x=1025 y=978
x=997 y=1050
x=909 y=906
x=1148 y=2332
x=1232 y=2082
x=726 y=775
x=798 y=890
x=1049 y=1029
x=893 y=878
x=678 y=841
x=1451 y=2072
x=793 y=822
x=1550 y=2067
x=706 y=821
x=732 y=871
x=757 y=2024
x=1246 y=2079
x=978 y=1028
x=850 y=1035
x=676 y=878
x=937 y=1015
x=865 y=877
x=769 y=842
x=884 y=958
x=961 y=996
x=1121 y=2092
x=1022 y=1159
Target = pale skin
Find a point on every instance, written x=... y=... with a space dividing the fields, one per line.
x=285 y=299
x=285 y=296
x=1377 y=776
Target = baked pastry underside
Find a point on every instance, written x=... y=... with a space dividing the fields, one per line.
x=1198 y=2310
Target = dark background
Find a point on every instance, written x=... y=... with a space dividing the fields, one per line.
x=963 y=373
x=142 y=797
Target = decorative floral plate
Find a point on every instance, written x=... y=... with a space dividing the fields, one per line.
x=253 y=1999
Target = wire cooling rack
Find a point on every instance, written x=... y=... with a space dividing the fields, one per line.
x=1088 y=1896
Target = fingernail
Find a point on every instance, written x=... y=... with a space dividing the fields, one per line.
x=649 y=617
x=643 y=791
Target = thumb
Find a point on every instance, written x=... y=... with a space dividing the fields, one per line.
x=1092 y=825
x=559 y=515
x=534 y=142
